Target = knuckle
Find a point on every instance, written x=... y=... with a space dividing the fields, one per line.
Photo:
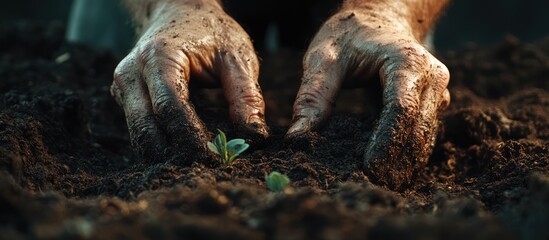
x=245 y=60
x=119 y=72
x=311 y=104
x=440 y=76
x=158 y=53
x=251 y=100
x=321 y=55
x=116 y=94
x=314 y=98
x=118 y=76
x=415 y=54
x=406 y=104
x=117 y=87
x=150 y=51
x=408 y=57
x=164 y=103
x=140 y=125
x=445 y=102
x=139 y=121
x=122 y=75
x=114 y=88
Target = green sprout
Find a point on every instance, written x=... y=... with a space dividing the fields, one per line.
x=228 y=151
x=276 y=181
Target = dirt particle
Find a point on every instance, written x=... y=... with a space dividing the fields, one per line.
x=351 y=15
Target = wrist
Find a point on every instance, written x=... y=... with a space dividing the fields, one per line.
x=413 y=17
x=150 y=13
x=382 y=15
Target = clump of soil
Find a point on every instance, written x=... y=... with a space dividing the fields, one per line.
x=67 y=169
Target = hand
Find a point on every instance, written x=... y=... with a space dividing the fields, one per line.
x=353 y=47
x=184 y=42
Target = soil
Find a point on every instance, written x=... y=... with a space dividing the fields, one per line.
x=67 y=169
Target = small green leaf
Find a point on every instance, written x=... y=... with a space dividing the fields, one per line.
x=234 y=142
x=223 y=138
x=276 y=181
x=221 y=145
x=227 y=151
x=213 y=148
x=236 y=150
x=218 y=142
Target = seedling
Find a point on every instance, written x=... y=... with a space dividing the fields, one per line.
x=276 y=181
x=227 y=151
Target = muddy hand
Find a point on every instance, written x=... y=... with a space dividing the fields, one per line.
x=182 y=41
x=358 y=43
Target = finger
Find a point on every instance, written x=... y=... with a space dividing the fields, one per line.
x=434 y=99
x=320 y=84
x=423 y=136
x=401 y=97
x=166 y=72
x=239 y=77
x=397 y=166
x=446 y=99
x=131 y=93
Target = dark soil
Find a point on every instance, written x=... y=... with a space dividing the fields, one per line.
x=67 y=169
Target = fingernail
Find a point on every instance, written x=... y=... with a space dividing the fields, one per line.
x=255 y=119
x=299 y=126
x=256 y=124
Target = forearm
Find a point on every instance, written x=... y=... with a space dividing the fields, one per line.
x=416 y=15
x=145 y=12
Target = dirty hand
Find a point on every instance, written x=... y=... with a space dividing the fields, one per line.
x=360 y=42
x=182 y=41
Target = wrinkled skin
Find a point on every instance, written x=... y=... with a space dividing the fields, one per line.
x=353 y=47
x=181 y=42
x=196 y=40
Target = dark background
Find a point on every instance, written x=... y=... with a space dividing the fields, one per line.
x=465 y=21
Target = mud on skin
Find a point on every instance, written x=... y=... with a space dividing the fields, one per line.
x=180 y=42
x=67 y=169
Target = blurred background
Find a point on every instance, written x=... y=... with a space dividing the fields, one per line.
x=274 y=24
